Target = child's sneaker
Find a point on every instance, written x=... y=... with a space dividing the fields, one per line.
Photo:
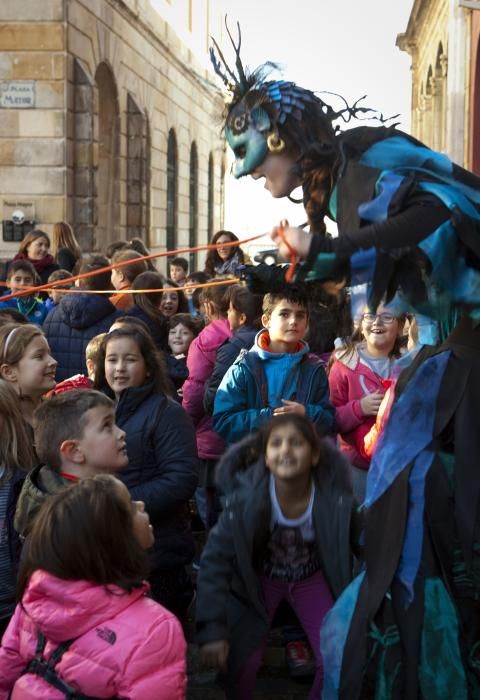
x=299 y=658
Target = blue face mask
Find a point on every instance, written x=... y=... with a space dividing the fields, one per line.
x=246 y=133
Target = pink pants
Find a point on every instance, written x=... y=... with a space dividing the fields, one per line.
x=310 y=599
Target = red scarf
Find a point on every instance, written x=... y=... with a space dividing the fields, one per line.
x=39 y=265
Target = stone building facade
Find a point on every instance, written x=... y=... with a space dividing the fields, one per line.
x=442 y=38
x=108 y=120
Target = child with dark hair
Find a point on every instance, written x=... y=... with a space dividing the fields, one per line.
x=244 y=318
x=200 y=363
x=114 y=247
x=8 y=316
x=362 y=371
x=139 y=246
x=122 y=278
x=146 y=306
x=286 y=534
x=55 y=293
x=277 y=375
x=178 y=270
x=162 y=468
x=22 y=274
x=183 y=329
x=193 y=295
x=173 y=300
x=75 y=437
x=83 y=604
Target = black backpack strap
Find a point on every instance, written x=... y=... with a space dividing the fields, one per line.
x=39 y=666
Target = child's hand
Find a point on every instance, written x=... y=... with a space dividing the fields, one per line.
x=289 y=407
x=215 y=654
x=371 y=403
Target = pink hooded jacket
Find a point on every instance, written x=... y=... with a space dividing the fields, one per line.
x=128 y=646
x=350 y=380
x=201 y=362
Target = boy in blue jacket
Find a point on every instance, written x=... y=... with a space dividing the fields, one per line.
x=277 y=376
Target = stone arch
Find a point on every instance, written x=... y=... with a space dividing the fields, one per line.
x=193 y=205
x=138 y=172
x=172 y=191
x=107 y=166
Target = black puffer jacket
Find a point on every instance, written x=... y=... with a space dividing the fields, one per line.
x=70 y=325
x=243 y=339
x=162 y=469
x=229 y=600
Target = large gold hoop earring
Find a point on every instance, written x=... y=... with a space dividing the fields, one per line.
x=275 y=143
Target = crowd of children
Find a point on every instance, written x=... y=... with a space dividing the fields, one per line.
x=121 y=412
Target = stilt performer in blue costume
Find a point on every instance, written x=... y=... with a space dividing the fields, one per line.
x=408 y=627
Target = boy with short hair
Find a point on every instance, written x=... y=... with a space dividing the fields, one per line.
x=179 y=270
x=22 y=274
x=276 y=376
x=75 y=437
x=56 y=293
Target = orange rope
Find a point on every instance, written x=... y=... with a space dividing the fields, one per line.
x=216 y=283
x=293 y=253
x=108 y=268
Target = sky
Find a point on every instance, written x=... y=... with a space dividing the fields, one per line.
x=342 y=46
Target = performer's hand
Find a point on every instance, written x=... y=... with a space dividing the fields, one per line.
x=371 y=403
x=262 y=278
x=214 y=654
x=289 y=407
x=297 y=238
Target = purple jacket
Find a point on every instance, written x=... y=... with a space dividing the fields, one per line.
x=201 y=362
x=126 y=645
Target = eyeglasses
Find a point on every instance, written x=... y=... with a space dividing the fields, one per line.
x=385 y=318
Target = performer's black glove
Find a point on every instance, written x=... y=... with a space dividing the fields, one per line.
x=261 y=279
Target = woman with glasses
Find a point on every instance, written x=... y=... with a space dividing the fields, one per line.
x=362 y=371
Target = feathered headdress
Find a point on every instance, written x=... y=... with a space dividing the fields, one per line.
x=256 y=108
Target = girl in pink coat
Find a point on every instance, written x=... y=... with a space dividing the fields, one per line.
x=358 y=379
x=201 y=357
x=84 y=611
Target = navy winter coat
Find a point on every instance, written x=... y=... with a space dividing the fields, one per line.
x=162 y=469
x=243 y=339
x=71 y=324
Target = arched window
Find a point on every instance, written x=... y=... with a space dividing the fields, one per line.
x=210 y=197
x=107 y=172
x=172 y=174
x=193 y=206
x=138 y=172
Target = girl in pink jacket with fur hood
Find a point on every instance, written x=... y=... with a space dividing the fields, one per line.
x=84 y=612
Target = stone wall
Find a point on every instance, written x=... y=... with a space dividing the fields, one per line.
x=437 y=40
x=32 y=140
x=111 y=80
